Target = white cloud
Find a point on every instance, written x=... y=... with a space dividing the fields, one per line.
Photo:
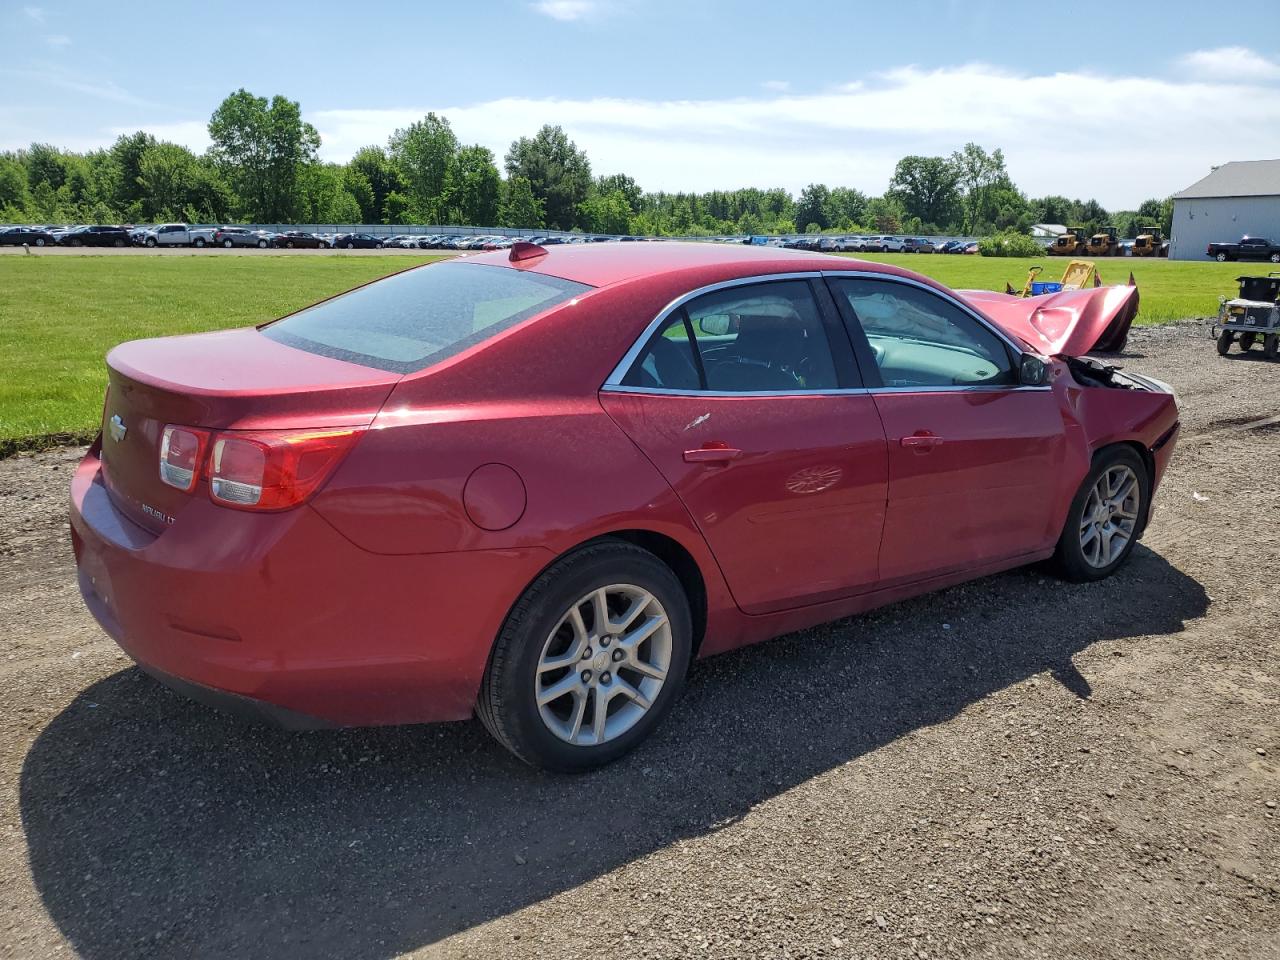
x=34 y=13
x=1053 y=128
x=777 y=86
x=58 y=40
x=1232 y=63
x=567 y=10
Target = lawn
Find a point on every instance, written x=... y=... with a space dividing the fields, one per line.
x=60 y=315
x=1168 y=289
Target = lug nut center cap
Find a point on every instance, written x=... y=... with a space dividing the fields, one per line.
x=601 y=662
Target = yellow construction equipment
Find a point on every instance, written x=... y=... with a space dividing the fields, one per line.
x=1105 y=243
x=1078 y=275
x=1070 y=243
x=1150 y=243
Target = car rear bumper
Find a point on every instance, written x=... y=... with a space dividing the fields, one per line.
x=282 y=617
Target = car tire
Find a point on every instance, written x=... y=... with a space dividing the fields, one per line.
x=199 y=242
x=1247 y=340
x=1225 y=339
x=350 y=245
x=1110 y=503
x=262 y=244
x=323 y=245
x=227 y=244
x=1221 y=258
x=1271 y=346
x=150 y=241
x=1275 y=258
x=377 y=246
x=540 y=621
x=289 y=244
x=39 y=241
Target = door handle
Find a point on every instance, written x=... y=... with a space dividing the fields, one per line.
x=922 y=442
x=713 y=451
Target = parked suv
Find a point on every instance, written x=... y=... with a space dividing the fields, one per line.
x=358 y=241
x=238 y=237
x=96 y=236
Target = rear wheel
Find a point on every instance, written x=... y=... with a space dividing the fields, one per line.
x=1271 y=346
x=1222 y=258
x=289 y=244
x=39 y=241
x=590 y=659
x=1102 y=524
x=1247 y=340
x=1225 y=339
x=199 y=242
x=350 y=245
x=227 y=244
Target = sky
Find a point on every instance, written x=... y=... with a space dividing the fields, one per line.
x=1119 y=104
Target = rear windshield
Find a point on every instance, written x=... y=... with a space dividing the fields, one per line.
x=414 y=319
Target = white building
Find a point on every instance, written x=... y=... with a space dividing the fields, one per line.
x=1237 y=199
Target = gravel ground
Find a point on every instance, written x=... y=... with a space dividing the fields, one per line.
x=1013 y=768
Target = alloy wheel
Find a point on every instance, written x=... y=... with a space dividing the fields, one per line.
x=604 y=664
x=1110 y=515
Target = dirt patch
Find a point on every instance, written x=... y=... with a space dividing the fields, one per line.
x=1014 y=767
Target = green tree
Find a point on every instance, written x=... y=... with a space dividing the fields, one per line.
x=927 y=187
x=473 y=187
x=382 y=177
x=395 y=209
x=126 y=153
x=263 y=148
x=558 y=173
x=811 y=208
x=977 y=172
x=606 y=213
x=13 y=184
x=520 y=208
x=630 y=190
x=171 y=179
x=423 y=152
x=45 y=164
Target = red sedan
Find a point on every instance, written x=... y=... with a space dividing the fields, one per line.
x=534 y=485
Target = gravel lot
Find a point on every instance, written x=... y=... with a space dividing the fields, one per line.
x=1014 y=768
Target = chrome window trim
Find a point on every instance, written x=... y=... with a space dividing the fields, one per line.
x=620 y=371
x=613 y=383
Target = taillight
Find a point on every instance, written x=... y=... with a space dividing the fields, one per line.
x=181 y=451
x=273 y=470
x=254 y=470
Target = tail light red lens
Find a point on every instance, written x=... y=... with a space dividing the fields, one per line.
x=274 y=470
x=254 y=470
x=181 y=452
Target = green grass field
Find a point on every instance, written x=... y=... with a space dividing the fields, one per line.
x=60 y=315
x=1167 y=289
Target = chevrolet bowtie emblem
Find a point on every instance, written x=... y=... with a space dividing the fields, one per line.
x=117 y=428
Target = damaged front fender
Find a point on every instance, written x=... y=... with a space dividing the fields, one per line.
x=1071 y=323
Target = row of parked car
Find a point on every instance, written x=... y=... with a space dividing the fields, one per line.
x=185 y=235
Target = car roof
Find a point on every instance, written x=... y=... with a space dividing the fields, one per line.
x=602 y=264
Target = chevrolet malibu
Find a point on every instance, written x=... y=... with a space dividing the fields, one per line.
x=534 y=484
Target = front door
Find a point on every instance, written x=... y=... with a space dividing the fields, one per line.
x=760 y=427
x=973 y=457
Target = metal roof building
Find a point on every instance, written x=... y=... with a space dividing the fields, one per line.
x=1237 y=199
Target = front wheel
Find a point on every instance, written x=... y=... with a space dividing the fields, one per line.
x=1275 y=258
x=590 y=659
x=39 y=241
x=227 y=244
x=151 y=241
x=262 y=244
x=1103 y=522
x=1271 y=346
x=1225 y=339
x=1247 y=340
x=289 y=244
x=377 y=246
x=350 y=245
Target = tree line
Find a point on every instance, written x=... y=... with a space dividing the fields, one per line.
x=263 y=166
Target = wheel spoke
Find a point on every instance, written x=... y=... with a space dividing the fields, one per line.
x=579 y=711
x=637 y=607
x=566 y=684
x=600 y=716
x=646 y=669
x=642 y=633
x=1090 y=534
x=600 y=607
x=627 y=690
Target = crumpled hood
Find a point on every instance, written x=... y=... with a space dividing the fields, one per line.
x=1070 y=323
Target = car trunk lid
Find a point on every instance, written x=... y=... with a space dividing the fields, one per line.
x=231 y=380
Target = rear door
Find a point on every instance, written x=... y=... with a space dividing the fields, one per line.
x=974 y=459
x=747 y=399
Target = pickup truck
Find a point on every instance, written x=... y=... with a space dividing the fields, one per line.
x=178 y=235
x=1249 y=248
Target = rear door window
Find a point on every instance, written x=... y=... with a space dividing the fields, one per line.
x=411 y=320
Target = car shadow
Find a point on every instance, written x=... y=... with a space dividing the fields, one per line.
x=159 y=827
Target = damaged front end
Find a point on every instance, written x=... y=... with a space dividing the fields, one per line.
x=1068 y=323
